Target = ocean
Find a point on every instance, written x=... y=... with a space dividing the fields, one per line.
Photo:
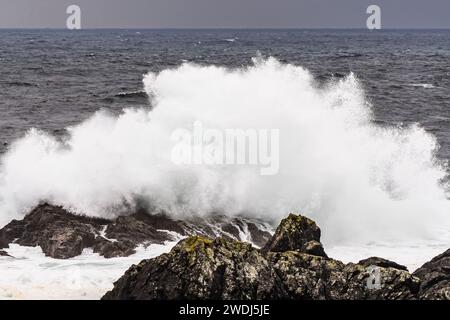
x=52 y=79
x=364 y=117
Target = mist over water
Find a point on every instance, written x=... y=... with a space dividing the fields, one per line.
x=358 y=180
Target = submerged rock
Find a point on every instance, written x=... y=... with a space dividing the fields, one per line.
x=205 y=268
x=62 y=234
x=435 y=278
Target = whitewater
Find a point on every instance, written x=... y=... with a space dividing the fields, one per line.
x=373 y=190
x=28 y=274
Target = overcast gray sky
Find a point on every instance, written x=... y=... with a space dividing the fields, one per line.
x=224 y=13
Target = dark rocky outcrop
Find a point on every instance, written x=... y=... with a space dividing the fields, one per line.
x=258 y=236
x=311 y=277
x=314 y=248
x=62 y=234
x=296 y=232
x=435 y=278
x=212 y=264
x=380 y=262
x=3 y=242
x=205 y=268
x=200 y=268
x=121 y=236
x=58 y=233
x=4 y=254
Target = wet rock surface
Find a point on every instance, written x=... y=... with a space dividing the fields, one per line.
x=380 y=262
x=4 y=254
x=296 y=232
x=206 y=268
x=62 y=234
x=3 y=243
x=59 y=234
x=199 y=268
x=435 y=278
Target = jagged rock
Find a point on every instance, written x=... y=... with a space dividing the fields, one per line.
x=200 y=268
x=234 y=228
x=435 y=278
x=4 y=254
x=59 y=233
x=124 y=234
x=3 y=242
x=294 y=233
x=313 y=247
x=380 y=262
x=312 y=277
x=231 y=229
x=259 y=237
x=111 y=249
x=203 y=268
x=62 y=234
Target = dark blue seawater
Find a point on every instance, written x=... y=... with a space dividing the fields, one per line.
x=51 y=79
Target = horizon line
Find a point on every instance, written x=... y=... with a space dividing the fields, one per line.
x=225 y=28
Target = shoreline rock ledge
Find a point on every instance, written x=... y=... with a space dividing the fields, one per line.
x=292 y=265
x=62 y=234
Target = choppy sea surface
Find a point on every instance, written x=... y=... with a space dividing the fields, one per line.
x=54 y=79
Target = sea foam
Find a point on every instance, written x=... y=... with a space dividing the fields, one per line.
x=358 y=180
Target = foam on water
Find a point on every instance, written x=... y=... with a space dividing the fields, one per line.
x=32 y=275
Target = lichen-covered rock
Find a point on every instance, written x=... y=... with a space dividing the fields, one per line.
x=200 y=268
x=435 y=278
x=296 y=232
x=203 y=268
x=313 y=277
